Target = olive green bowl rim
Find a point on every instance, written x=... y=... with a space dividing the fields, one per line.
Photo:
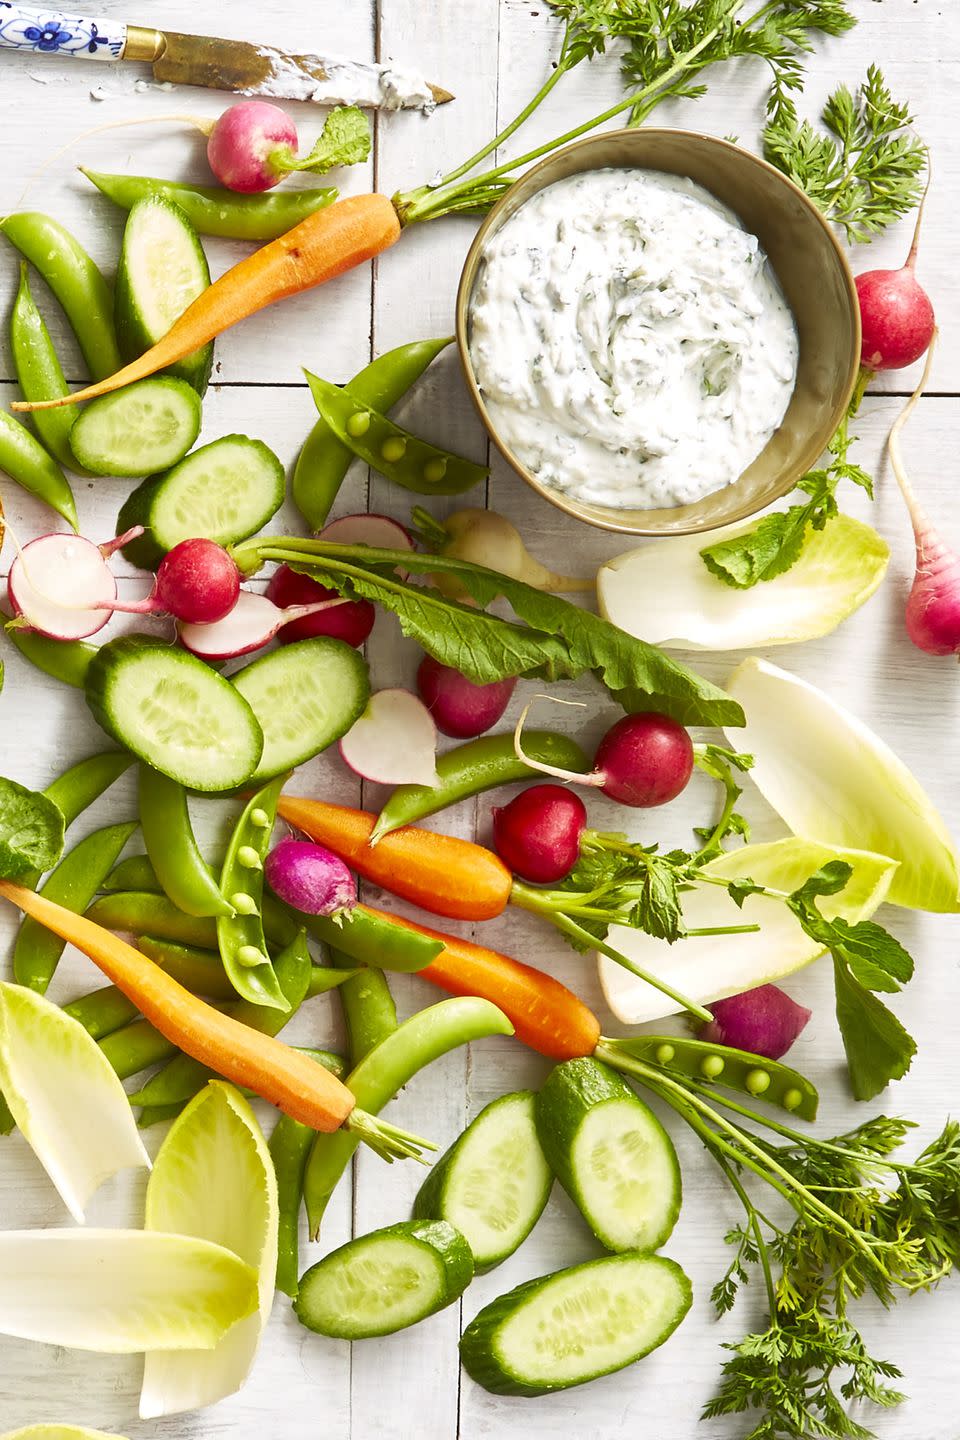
x=809 y=452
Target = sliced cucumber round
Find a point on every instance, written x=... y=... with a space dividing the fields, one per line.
x=493 y=1182
x=162 y=270
x=305 y=697
x=611 y=1155
x=174 y=713
x=225 y=491
x=575 y=1325
x=385 y=1281
x=145 y=427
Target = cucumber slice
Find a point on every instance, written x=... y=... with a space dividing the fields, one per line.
x=575 y=1325
x=174 y=713
x=304 y=696
x=385 y=1281
x=162 y=270
x=493 y=1182
x=225 y=491
x=144 y=427
x=611 y=1155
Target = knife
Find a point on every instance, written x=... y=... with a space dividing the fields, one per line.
x=237 y=65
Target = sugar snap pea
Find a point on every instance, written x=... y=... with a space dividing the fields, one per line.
x=77 y=788
x=372 y=940
x=133 y=873
x=143 y=912
x=775 y=1083
x=102 y=1011
x=212 y=211
x=385 y=1070
x=76 y=282
x=289 y=1149
x=324 y=460
x=172 y=848
x=135 y=1047
x=472 y=768
x=73 y=884
x=396 y=453
x=24 y=459
x=368 y=1007
x=64 y=660
x=240 y=937
x=202 y=970
x=40 y=374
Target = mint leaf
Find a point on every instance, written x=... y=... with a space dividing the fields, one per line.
x=344 y=140
x=828 y=880
x=877 y=1046
x=875 y=958
x=31 y=831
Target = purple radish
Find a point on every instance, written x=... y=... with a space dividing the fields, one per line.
x=243 y=145
x=394 y=742
x=352 y=620
x=310 y=878
x=643 y=760
x=764 y=1021
x=896 y=314
x=933 y=606
x=459 y=707
x=538 y=834
x=251 y=624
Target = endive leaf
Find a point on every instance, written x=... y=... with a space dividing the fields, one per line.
x=214 y=1178
x=58 y=1432
x=710 y=967
x=663 y=593
x=120 y=1291
x=831 y=779
x=66 y=1098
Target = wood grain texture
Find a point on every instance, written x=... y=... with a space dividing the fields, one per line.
x=492 y=53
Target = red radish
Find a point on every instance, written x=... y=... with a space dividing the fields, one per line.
x=351 y=620
x=459 y=707
x=538 y=834
x=394 y=742
x=197 y=581
x=764 y=1021
x=933 y=606
x=310 y=878
x=378 y=530
x=243 y=144
x=62 y=586
x=643 y=760
x=251 y=624
x=895 y=312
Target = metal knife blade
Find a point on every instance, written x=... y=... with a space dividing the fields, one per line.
x=250 y=69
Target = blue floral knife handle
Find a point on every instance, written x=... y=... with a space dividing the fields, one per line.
x=50 y=32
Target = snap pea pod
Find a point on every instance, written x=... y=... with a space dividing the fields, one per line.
x=323 y=461
x=24 y=459
x=240 y=937
x=385 y=1070
x=72 y=884
x=754 y=1075
x=184 y=1077
x=200 y=971
x=64 y=660
x=76 y=282
x=402 y=457
x=76 y=789
x=471 y=769
x=102 y=1011
x=134 y=873
x=212 y=211
x=40 y=374
x=368 y=1008
x=372 y=940
x=172 y=849
x=135 y=1047
x=289 y=1149
x=143 y=912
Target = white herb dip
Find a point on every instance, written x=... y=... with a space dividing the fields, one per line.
x=631 y=342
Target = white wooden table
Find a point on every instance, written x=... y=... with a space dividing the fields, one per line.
x=493 y=53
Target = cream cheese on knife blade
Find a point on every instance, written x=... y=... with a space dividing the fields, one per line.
x=630 y=339
x=346 y=82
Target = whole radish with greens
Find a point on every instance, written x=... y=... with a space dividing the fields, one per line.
x=253 y=145
x=644 y=760
x=896 y=313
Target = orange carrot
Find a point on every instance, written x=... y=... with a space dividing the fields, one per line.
x=545 y=1014
x=441 y=873
x=324 y=245
x=288 y=1078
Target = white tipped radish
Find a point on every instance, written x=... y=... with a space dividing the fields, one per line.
x=896 y=314
x=459 y=707
x=378 y=530
x=251 y=624
x=394 y=742
x=350 y=621
x=244 y=142
x=62 y=586
x=485 y=538
x=933 y=606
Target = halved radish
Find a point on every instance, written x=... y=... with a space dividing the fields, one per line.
x=251 y=624
x=351 y=621
x=378 y=530
x=62 y=586
x=394 y=742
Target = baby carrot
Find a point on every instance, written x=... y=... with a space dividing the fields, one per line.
x=441 y=873
x=324 y=245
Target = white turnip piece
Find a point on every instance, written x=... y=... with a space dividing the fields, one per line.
x=537 y=835
x=310 y=878
x=485 y=538
x=643 y=760
x=764 y=1021
x=896 y=313
x=394 y=742
x=251 y=624
x=933 y=605
x=459 y=707
x=351 y=620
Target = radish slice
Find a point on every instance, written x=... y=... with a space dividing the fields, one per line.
x=378 y=530
x=57 y=584
x=251 y=624
x=394 y=742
